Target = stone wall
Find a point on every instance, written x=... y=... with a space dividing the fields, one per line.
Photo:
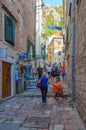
x=23 y=11
x=80 y=56
x=68 y=43
x=80 y=59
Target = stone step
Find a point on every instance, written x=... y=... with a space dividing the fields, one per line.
x=39 y=95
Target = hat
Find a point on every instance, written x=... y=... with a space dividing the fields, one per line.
x=44 y=73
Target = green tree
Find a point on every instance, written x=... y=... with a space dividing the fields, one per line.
x=49 y=20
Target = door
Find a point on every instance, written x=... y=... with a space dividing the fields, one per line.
x=6 y=79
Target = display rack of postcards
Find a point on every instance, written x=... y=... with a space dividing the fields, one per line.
x=31 y=83
x=31 y=77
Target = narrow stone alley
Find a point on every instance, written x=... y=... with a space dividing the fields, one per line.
x=39 y=36
x=26 y=112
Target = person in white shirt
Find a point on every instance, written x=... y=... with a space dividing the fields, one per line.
x=49 y=70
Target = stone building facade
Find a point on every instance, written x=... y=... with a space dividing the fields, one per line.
x=17 y=28
x=56 y=51
x=80 y=57
x=68 y=41
x=80 y=51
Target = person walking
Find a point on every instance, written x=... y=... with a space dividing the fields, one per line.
x=63 y=73
x=57 y=88
x=49 y=71
x=52 y=74
x=44 y=87
x=40 y=71
x=57 y=72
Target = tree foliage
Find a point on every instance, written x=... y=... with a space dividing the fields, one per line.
x=49 y=20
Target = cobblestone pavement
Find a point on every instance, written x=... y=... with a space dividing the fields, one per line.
x=28 y=113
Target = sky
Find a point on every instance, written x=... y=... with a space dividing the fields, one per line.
x=53 y=2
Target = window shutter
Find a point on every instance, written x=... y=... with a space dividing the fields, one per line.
x=59 y=53
x=33 y=51
x=9 y=29
x=13 y=31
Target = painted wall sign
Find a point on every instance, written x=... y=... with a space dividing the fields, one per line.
x=3 y=52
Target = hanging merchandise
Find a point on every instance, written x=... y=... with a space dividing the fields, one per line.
x=25 y=77
x=19 y=78
x=31 y=77
x=55 y=28
x=16 y=73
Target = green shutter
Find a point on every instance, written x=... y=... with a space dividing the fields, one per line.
x=33 y=51
x=9 y=29
x=13 y=31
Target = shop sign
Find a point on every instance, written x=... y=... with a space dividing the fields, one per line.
x=23 y=56
x=38 y=56
x=3 y=52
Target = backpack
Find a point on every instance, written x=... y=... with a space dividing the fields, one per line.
x=40 y=70
x=57 y=72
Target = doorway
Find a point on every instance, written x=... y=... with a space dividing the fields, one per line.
x=6 y=79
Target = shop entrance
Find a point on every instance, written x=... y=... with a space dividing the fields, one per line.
x=6 y=79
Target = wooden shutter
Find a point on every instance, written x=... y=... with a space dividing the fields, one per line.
x=9 y=29
x=13 y=31
x=33 y=51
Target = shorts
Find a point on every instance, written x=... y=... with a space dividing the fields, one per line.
x=63 y=74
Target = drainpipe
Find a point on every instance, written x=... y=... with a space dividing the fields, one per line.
x=73 y=50
x=35 y=31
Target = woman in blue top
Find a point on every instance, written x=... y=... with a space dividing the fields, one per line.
x=44 y=87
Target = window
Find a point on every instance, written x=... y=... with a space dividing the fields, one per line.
x=67 y=33
x=9 y=29
x=11 y=1
x=59 y=53
x=59 y=42
x=78 y=2
x=33 y=51
x=63 y=50
x=70 y=10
